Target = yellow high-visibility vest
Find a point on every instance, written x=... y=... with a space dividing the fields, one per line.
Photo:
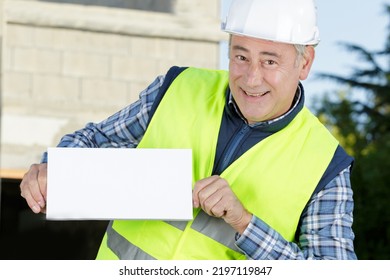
x=274 y=179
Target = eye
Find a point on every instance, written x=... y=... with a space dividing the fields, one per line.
x=240 y=57
x=270 y=62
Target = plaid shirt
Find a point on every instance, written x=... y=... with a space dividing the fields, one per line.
x=325 y=230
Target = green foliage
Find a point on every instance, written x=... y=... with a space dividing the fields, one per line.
x=363 y=129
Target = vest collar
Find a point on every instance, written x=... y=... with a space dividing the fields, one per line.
x=273 y=125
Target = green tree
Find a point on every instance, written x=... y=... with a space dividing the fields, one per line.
x=362 y=125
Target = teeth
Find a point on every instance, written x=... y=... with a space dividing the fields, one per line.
x=255 y=94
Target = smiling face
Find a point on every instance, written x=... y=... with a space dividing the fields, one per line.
x=264 y=76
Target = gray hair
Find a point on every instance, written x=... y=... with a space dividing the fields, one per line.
x=301 y=49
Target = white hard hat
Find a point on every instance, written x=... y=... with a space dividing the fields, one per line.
x=287 y=21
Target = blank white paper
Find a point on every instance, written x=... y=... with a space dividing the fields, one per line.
x=109 y=183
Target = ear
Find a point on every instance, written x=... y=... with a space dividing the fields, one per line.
x=307 y=62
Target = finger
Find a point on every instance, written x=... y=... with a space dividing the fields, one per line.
x=209 y=199
x=25 y=188
x=199 y=186
x=214 y=195
x=210 y=189
x=34 y=206
x=32 y=186
x=232 y=211
x=38 y=186
x=217 y=212
x=219 y=203
x=42 y=181
x=218 y=208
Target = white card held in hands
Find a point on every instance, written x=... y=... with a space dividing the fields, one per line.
x=109 y=183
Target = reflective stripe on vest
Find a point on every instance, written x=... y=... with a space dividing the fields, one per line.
x=274 y=179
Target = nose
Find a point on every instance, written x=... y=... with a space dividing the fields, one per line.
x=254 y=75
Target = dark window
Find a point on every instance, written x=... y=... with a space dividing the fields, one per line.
x=28 y=236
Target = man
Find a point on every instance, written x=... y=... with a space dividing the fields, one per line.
x=270 y=182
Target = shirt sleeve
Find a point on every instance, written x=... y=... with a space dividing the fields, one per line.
x=123 y=129
x=325 y=230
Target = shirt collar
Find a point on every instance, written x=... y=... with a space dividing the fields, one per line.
x=276 y=123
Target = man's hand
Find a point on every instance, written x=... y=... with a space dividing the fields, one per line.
x=217 y=199
x=34 y=186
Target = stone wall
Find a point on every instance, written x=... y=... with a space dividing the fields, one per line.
x=64 y=65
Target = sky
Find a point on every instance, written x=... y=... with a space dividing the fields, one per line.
x=361 y=22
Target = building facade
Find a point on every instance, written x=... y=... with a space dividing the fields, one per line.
x=66 y=63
